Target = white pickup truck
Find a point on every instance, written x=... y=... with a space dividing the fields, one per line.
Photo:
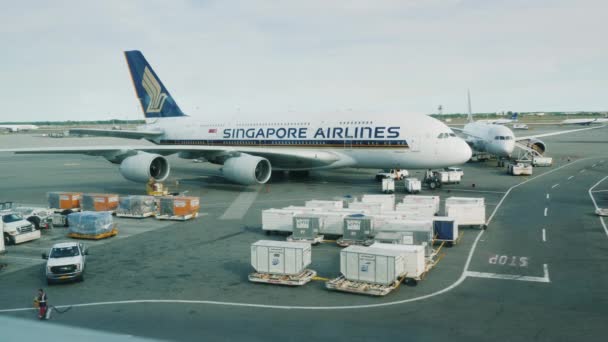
x=65 y=261
x=16 y=229
x=395 y=174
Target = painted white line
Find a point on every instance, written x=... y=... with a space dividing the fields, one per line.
x=241 y=205
x=546 y=211
x=581 y=171
x=595 y=203
x=480 y=191
x=569 y=178
x=543 y=279
x=594 y=191
x=544 y=235
x=555 y=186
x=459 y=281
x=547 y=196
x=593 y=165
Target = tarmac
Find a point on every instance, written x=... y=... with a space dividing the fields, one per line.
x=539 y=272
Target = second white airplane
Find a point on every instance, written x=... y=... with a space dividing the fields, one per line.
x=499 y=140
x=250 y=149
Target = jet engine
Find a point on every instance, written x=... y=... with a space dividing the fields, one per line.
x=143 y=166
x=538 y=145
x=247 y=169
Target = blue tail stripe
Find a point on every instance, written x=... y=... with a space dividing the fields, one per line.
x=156 y=102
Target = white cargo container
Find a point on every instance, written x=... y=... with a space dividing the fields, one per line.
x=542 y=161
x=279 y=219
x=387 y=201
x=414 y=232
x=415 y=210
x=372 y=265
x=381 y=219
x=371 y=208
x=412 y=185
x=328 y=205
x=466 y=211
x=415 y=262
x=520 y=169
x=435 y=201
x=333 y=222
x=454 y=177
x=278 y=257
x=388 y=185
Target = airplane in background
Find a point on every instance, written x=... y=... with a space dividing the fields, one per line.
x=585 y=122
x=513 y=119
x=17 y=128
x=250 y=149
x=499 y=140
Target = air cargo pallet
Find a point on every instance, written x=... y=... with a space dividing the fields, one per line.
x=345 y=243
x=317 y=240
x=111 y=233
x=61 y=211
x=345 y=285
x=144 y=215
x=177 y=218
x=282 y=279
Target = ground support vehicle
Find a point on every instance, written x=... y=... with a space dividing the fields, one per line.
x=313 y=241
x=393 y=174
x=65 y=261
x=542 y=161
x=41 y=218
x=283 y=279
x=520 y=169
x=345 y=285
x=15 y=229
x=432 y=179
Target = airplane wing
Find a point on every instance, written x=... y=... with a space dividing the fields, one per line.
x=462 y=132
x=280 y=158
x=129 y=134
x=556 y=133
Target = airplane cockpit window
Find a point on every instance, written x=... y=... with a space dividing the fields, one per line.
x=452 y=135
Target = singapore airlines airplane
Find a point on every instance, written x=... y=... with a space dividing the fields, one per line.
x=249 y=150
x=499 y=140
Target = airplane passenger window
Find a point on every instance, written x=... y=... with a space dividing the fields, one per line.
x=496 y=137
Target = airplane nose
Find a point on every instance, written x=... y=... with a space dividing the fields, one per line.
x=461 y=153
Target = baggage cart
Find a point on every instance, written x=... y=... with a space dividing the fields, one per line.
x=136 y=206
x=412 y=185
x=542 y=161
x=177 y=208
x=466 y=211
x=357 y=230
x=306 y=229
x=388 y=185
x=345 y=285
x=112 y=232
x=63 y=202
x=283 y=279
x=445 y=229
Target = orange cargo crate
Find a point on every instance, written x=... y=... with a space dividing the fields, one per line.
x=99 y=202
x=64 y=200
x=179 y=205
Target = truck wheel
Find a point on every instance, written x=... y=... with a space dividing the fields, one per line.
x=81 y=278
x=432 y=185
x=35 y=221
x=8 y=240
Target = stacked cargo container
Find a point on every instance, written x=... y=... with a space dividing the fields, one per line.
x=99 y=202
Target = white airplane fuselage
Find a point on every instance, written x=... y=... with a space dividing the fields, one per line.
x=412 y=142
x=490 y=138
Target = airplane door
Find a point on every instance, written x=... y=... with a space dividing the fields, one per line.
x=414 y=143
x=348 y=144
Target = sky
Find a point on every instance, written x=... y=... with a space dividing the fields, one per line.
x=63 y=60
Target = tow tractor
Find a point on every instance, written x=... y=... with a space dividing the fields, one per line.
x=154 y=188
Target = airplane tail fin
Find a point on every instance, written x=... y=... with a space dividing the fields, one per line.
x=156 y=102
x=470 y=113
